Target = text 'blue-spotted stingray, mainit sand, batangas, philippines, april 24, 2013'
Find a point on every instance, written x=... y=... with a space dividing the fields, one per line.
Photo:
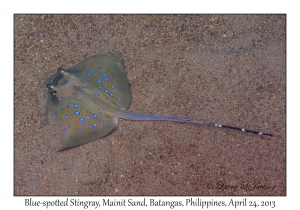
x=87 y=99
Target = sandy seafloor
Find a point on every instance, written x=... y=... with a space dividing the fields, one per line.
x=228 y=69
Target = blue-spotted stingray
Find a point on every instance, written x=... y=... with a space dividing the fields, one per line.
x=87 y=99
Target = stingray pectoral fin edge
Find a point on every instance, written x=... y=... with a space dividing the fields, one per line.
x=68 y=142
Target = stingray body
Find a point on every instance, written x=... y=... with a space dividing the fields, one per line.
x=87 y=99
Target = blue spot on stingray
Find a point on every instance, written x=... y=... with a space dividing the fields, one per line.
x=102 y=70
x=80 y=129
x=88 y=117
x=81 y=119
x=108 y=122
x=67 y=116
x=55 y=114
x=105 y=90
x=111 y=94
x=90 y=126
x=100 y=115
x=82 y=124
x=83 y=86
x=61 y=109
x=77 y=112
x=95 y=73
x=107 y=79
x=75 y=105
x=120 y=99
x=95 y=124
x=87 y=79
x=101 y=123
x=113 y=87
x=99 y=81
x=67 y=106
x=69 y=126
x=88 y=74
x=100 y=87
x=95 y=115
x=99 y=67
x=96 y=94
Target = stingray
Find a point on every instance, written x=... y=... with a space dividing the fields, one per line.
x=87 y=99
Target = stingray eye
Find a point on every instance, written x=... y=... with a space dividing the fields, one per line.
x=60 y=70
x=51 y=89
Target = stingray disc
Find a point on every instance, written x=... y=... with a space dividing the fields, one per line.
x=102 y=78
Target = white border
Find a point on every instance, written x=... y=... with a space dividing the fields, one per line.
x=217 y=6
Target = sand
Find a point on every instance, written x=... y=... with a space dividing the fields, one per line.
x=228 y=69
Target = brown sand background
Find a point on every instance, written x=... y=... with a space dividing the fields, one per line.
x=228 y=69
